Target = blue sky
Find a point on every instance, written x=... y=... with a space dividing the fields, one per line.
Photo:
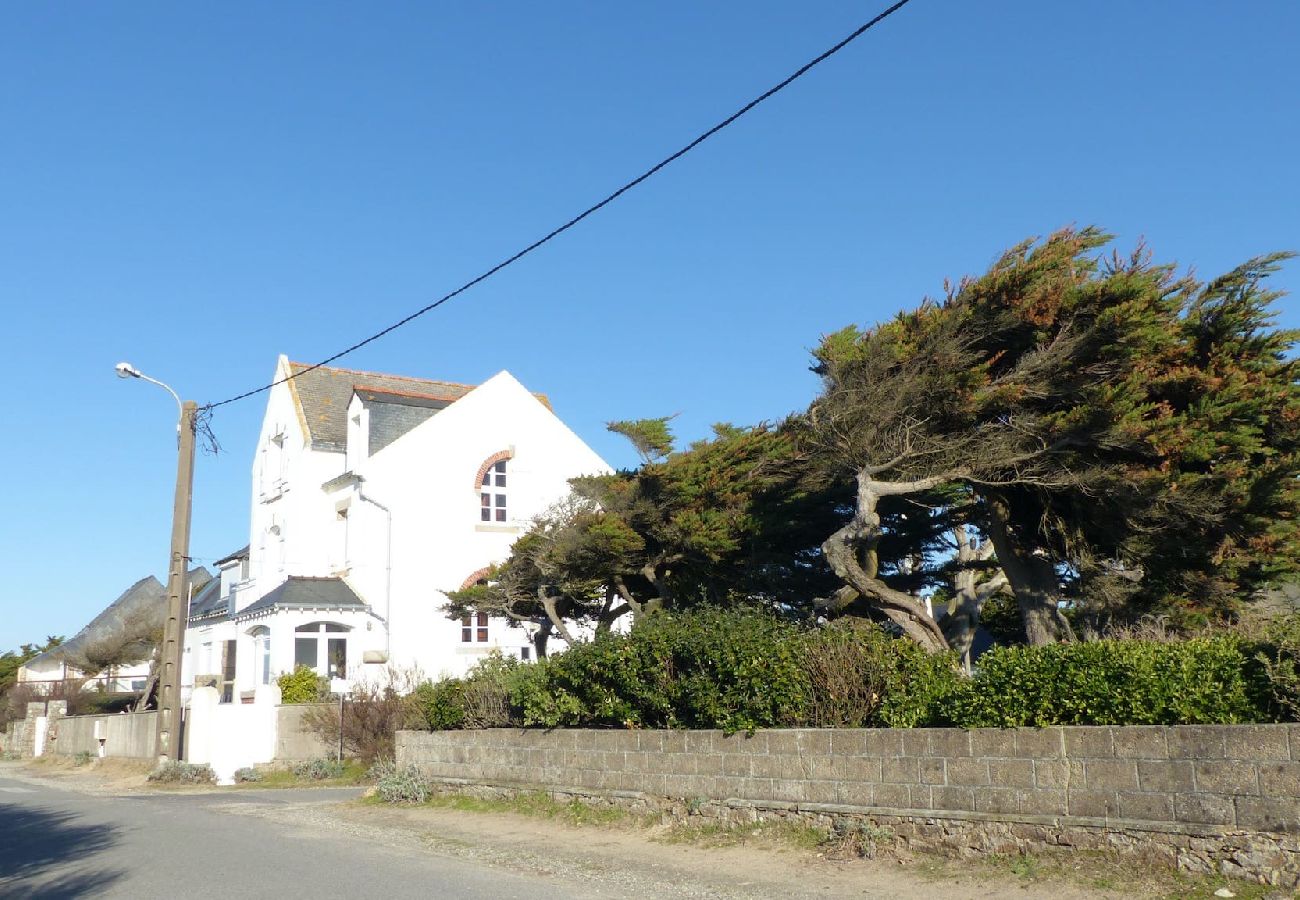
x=199 y=187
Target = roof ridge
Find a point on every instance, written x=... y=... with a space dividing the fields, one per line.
x=384 y=375
x=374 y=389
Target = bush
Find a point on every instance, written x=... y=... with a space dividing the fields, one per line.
x=482 y=699
x=172 y=772
x=1279 y=661
x=1200 y=681
x=734 y=670
x=860 y=676
x=404 y=785
x=247 y=775
x=372 y=716
x=321 y=769
x=302 y=685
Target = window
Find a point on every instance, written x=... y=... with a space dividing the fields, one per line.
x=474 y=628
x=262 y=654
x=525 y=653
x=314 y=648
x=493 y=495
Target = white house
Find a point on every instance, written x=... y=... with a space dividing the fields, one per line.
x=373 y=494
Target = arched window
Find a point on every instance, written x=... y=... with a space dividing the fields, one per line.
x=493 y=495
x=261 y=636
x=321 y=647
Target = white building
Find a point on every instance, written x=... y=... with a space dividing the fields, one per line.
x=372 y=495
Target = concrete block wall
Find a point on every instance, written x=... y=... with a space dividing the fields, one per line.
x=1245 y=777
x=1181 y=791
x=126 y=735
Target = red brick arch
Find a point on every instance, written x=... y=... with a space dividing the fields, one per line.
x=475 y=578
x=489 y=463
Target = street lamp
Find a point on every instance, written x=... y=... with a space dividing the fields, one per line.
x=170 y=654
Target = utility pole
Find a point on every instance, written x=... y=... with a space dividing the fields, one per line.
x=171 y=653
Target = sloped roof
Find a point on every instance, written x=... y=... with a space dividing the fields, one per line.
x=207 y=602
x=302 y=592
x=323 y=395
x=139 y=611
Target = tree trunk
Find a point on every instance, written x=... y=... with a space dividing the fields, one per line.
x=1033 y=581
x=857 y=540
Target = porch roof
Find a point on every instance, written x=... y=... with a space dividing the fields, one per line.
x=303 y=592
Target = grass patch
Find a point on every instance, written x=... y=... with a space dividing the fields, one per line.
x=536 y=804
x=776 y=834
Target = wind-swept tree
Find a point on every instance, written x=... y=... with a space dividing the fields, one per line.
x=1115 y=431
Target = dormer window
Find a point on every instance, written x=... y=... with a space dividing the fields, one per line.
x=492 y=497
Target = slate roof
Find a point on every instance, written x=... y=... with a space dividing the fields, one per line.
x=207 y=602
x=241 y=553
x=302 y=592
x=323 y=395
x=139 y=610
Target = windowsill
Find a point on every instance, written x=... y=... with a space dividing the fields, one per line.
x=497 y=529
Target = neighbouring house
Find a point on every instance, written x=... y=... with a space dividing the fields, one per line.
x=115 y=649
x=373 y=494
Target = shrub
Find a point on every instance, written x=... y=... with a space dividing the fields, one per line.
x=482 y=699
x=442 y=704
x=1200 y=681
x=735 y=670
x=302 y=685
x=173 y=772
x=83 y=758
x=372 y=715
x=247 y=775
x=321 y=769
x=404 y=785
x=1279 y=662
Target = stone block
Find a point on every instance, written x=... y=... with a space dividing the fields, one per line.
x=893 y=796
x=992 y=742
x=1226 y=777
x=792 y=790
x=996 y=800
x=1088 y=741
x=920 y=796
x=798 y=741
x=740 y=764
x=1204 y=809
x=727 y=787
x=932 y=771
x=1293 y=738
x=1268 y=814
x=1195 y=742
x=1172 y=775
x=1110 y=774
x=952 y=798
x=949 y=742
x=881 y=743
x=1057 y=773
x=1012 y=773
x=1153 y=807
x=1280 y=780
x=822 y=791
x=708 y=763
x=673 y=741
x=774 y=766
x=757 y=789
x=856 y=794
x=1257 y=742
x=1043 y=802
x=650 y=741
x=904 y=770
x=916 y=741
x=699 y=742
x=1140 y=742
x=1039 y=743
x=968 y=772
x=1095 y=804
x=861 y=768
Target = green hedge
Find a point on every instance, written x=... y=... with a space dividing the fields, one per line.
x=742 y=670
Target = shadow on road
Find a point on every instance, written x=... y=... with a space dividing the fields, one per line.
x=44 y=853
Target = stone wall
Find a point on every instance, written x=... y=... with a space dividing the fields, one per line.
x=1199 y=797
x=293 y=740
x=126 y=735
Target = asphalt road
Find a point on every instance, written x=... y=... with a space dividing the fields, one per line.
x=57 y=843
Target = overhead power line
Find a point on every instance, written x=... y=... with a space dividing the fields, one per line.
x=798 y=73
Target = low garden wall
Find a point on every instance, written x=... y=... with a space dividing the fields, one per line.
x=126 y=735
x=294 y=741
x=1202 y=798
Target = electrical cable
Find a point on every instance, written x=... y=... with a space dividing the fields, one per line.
x=798 y=73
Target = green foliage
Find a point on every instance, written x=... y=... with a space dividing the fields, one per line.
x=405 y=785
x=861 y=677
x=173 y=772
x=320 y=769
x=1200 y=681
x=734 y=670
x=652 y=438
x=247 y=775
x=1279 y=658
x=302 y=685
x=482 y=699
